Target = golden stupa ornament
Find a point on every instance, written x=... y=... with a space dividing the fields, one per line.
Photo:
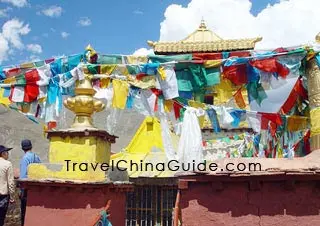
x=84 y=105
x=91 y=55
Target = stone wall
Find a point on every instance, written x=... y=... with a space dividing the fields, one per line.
x=251 y=203
x=78 y=204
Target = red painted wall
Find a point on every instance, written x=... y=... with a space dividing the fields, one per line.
x=61 y=206
x=237 y=204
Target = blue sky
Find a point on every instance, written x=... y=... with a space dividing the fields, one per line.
x=119 y=27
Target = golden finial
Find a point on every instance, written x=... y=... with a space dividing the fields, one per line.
x=318 y=37
x=83 y=105
x=150 y=43
x=203 y=24
x=91 y=55
x=91 y=50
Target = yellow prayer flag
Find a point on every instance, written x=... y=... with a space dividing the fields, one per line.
x=196 y=104
x=212 y=63
x=146 y=82
x=137 y=59
x=11 y=80
x=104 y=82
x=224 y=92
x=27 y=65
x=239 y=99
x=162 y=73
x=296 y=123
x=168 y=105
x=107 y=69
x=4 y=100
x=120 y=93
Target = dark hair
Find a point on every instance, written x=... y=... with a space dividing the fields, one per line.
x=27 y=149
x=1 y=153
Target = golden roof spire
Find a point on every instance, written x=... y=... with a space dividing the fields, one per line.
x=203 y=25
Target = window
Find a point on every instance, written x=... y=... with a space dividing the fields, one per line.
x=151 y=206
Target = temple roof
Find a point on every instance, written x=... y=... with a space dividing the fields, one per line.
x=203 y=40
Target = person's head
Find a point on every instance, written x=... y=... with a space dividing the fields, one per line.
x=4 y=152
x=26 y=145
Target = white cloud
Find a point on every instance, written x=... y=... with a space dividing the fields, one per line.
x=12 y=30
x=10 y=37
x=17 y=3
x=84 y=21
x=46 y=35
x=287 y=23
x=143 y=52
x=52 y=11
x=35 y=48
x=4 y=48
x=64 y=34
x=138 y=12
x=4 y=12
x=52 y=29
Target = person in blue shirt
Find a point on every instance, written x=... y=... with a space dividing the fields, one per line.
x=28 y=158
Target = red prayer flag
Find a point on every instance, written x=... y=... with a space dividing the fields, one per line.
x=140 y=76
x=51 y=125
x=275 y=118
x=13 y=72
x=237 y=74
x=239 y=54
x=157 y=92
x=207 y=56
x=264 y=123
x=298 y=90
x=48 y=61
x=271 y=65
x=176 y=109
x=273 y=128
x=31 y=90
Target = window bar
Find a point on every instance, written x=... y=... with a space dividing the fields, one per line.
x=141 y=204
x=152 y=215
x=161 y=207
x=132 y=205
x=137 y=206
x=145 y=206
x=171 y=205
x=168 y=205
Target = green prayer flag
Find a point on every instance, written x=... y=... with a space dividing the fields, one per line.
x=164 y=59
x=212 y=76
